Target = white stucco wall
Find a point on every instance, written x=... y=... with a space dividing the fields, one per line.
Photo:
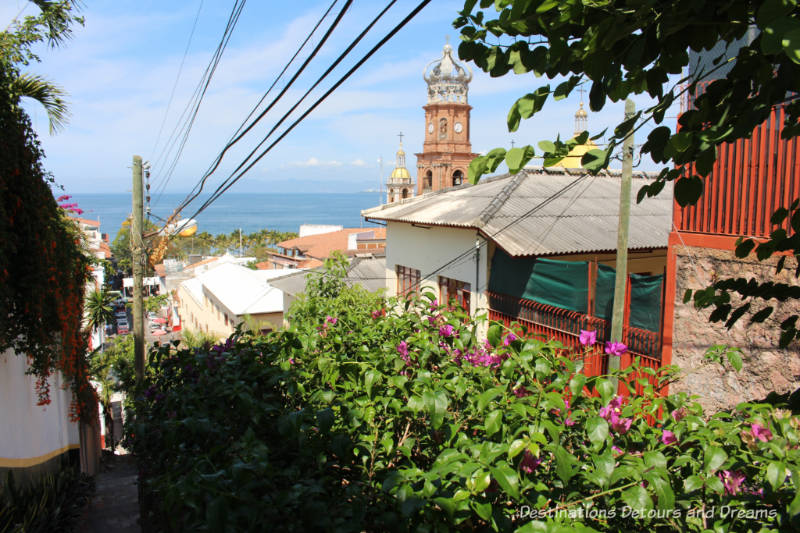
x=428 y=249
x=32 y=434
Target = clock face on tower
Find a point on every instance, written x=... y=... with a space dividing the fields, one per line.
x=458 y=127
x=430 y=127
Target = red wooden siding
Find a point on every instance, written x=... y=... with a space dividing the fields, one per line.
x=749 y=181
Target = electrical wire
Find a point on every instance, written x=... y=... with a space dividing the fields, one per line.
x=197 y=189
x=232 y=180
x=177 y=77
x=180 y=133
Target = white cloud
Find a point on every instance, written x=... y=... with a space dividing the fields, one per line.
x=358 y=163
x=315 y=162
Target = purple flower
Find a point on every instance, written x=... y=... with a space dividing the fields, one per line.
x=678 y=414
x=569 y=422
x=509 y=339
x=668 y=437
x=760 y=432
x=292 y=361
x=378 y=313
x=616 y=449
x=615 y=348
x=402 y=349
x=446 y=330
x=529 y=462
x=434 y=305
x=620 y=425
x=331 y=320
x=588 y=337
x=732 y=480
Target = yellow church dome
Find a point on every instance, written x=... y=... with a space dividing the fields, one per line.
x=400 y=173
x=573 y=159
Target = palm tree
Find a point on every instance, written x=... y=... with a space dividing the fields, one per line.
x=98 y=310
x=46 y=93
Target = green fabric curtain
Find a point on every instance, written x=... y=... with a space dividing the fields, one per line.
x=562 y=284
x=604 y=292
x=645 y=310
x=646 y=302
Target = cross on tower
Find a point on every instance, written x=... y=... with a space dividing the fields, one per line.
x=581 y=90
x=401 y=137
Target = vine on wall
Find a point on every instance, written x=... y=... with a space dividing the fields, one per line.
x=43 y=268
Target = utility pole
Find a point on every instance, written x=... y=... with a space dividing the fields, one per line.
x=137 y=261
x=621 y=279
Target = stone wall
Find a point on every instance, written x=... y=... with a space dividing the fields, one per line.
x=766 y=368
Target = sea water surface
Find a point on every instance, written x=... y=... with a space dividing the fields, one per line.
x=249 y=211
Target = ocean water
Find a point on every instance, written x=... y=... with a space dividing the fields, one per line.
x=250 y=212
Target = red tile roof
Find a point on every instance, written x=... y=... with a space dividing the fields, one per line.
x=321 y=246
x=95 y=223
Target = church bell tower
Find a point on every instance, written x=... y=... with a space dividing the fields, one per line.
x=447 y=151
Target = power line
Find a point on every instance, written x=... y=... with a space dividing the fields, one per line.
x=232 y=180
x=197 y=189
x=181 y=133
x=177 y=77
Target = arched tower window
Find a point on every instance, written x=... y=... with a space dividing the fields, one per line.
x=442 y=128
x=458 y=178
x=427 y=181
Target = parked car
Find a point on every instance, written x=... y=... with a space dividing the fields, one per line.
x=122 y=327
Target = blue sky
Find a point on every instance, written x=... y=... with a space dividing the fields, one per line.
x=120 y=68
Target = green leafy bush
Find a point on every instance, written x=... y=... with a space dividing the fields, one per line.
x=361 y=417
x=55 y=503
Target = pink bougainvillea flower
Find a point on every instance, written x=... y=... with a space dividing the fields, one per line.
x=615 y=348
x=620 y=425
x=63 y=198
x=529 y=462
x=760 y=432
x=291 y=361
x=616 y=449
x=732 y=480
x=588 y=337
x=434 y=305
x=377 y=313
x=569 y=422
x=668 y=437
x=402 y=348
x=678 y=414
x=332 y=320
x=446 y=330
x=509 y=339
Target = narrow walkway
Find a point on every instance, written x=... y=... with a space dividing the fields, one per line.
x=115 y=505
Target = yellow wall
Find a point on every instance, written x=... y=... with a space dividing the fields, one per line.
x=202 y=316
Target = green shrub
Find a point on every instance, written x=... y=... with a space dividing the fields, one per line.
x=52 y=504
x=361 y=417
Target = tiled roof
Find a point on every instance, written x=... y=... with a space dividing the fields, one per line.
x=88 y=222
x=543 y=211
x=321 y=245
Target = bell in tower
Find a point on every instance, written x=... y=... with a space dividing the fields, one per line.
x=447 y=151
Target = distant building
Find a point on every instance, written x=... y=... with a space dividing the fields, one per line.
x=400 y=186
x=312 y=248
x=219 y=299
x=447 y=151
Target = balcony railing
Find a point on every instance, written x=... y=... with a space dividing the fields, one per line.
x=565 y=326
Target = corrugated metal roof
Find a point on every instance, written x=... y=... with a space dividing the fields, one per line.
x=369 y=272
x=543 y=211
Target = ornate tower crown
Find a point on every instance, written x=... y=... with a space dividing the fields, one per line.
x=447 y=80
